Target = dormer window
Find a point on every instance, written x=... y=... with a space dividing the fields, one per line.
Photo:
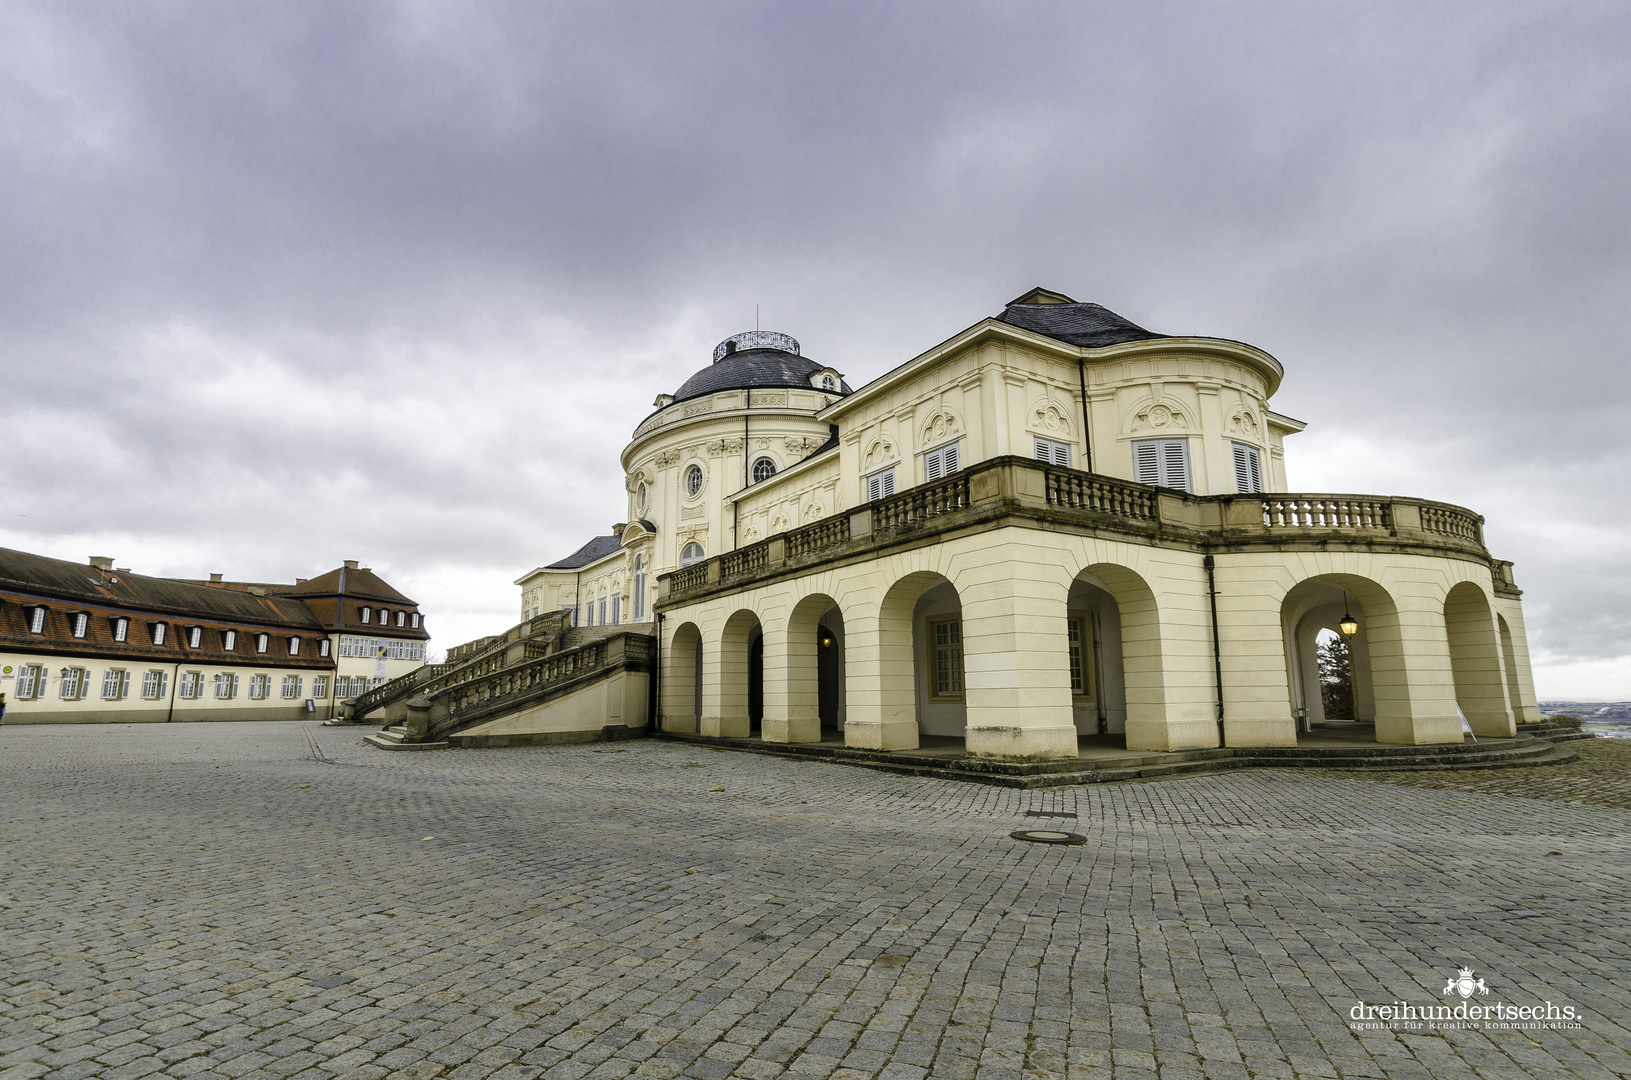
x=121 y=629
x=322 y=647
x=157 y=632
x=367 y=615
x=402 y=618
x=829 y=383
x=36 y=620
x=413 y=620
x=229 y=640
x=262 y=642
x=384 y=617
x=195 y=637
x=80 y=622
x=294 y=646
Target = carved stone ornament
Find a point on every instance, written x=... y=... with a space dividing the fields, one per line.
x=667 y=459
x=695 y=407
x=941 y=426
x=691 y=513
x=749 y=534
x=768 y=398
x=779 y=525
x=881 y=451
x=721 y=447
x=1160 y=416
x=1242 y=422
x=812 y=512
x=1051 y=417
x=797 y=448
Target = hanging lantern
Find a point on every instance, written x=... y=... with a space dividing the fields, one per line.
x=1349 y=625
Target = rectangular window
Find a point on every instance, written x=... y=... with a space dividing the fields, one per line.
x=603 y=611
x=294 y=646
x=229 y=640
x=1162 y=463
x=156 y=631
x=226 y=687
x=367 y=614
x=154 y=684
x=30 y=681
x=617 y=609
x=413 y=620
x=80 y=623
x=195 y=636
x=190 y=684
x=938 y=463
x=115 y=684
x=260 y=687
x=401 y=618
x=36 y=620
x=263 y=642
x=319 y=686
x=121 y=629
x=1248 y=469
x=947 y=635
x=322 y=647
x=1081 y=658
x=880 y=485
x=1051 y=451
x=68 y=689
x=291 y=686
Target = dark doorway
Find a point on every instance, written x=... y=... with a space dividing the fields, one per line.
x=829 y=673
x=756 y=681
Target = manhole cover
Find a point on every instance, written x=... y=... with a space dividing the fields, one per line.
x=1048 y=836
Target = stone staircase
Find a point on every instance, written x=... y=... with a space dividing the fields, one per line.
x=1523 y=750
x=395 y=738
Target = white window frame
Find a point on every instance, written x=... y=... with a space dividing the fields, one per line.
x=158 y=631
x=226 y=686
x=323 y=647
x=402 y=618
x=263 y=642
x=319 y=686
x=115 y=684
x=639 y=587
x=413 y=621
x=229 y=640
x=294 y=646
x=31 y=680
x=701 y=555
x=1248 y=468
x=603 y=621
x=191 y=686
x=79 y=624
x=693 y=472
x=942 y=461
x=291 y=686
x=71 y=684
x=1051 y=451
x=367 y=615
x=121 y=629
x=36 y=620
x=767 y=462
x=154 y=684
x=1163 y=463
x=880 y=485
x=260 y=687
x=195 y=637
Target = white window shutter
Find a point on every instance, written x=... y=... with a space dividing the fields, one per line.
x=1257 y=470
x=1061 y=455
x=124 y=685
x=1147 y=462
x=951 y=458
x=1175 y=463
x=1243 y=469
x=932 y=468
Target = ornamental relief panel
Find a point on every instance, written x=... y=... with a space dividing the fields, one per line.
x=881 y=452
x=778 y=524
x=721 y=447
x=766 y=398
x=1049 y=417
x=1243 y=423
x=812 y=512
x=749 y=533
x=667 y=459
x=691 y=513
x=944 y=424
x=694 y=408
x=1160 y=416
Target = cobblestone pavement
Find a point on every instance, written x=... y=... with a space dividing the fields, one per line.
x=264 y=900
x=1601 y=776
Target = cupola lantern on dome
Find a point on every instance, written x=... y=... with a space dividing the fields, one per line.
x=755 y=339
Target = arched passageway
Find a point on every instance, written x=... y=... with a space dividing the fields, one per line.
x=804 y=673
x=1380 y=688
x=1114 y=643
x=682 y=680
x=1509 y=661
x=733 y=693
x=1475 y=661
x=920 y=645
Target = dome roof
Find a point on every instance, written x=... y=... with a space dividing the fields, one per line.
x=752 y=359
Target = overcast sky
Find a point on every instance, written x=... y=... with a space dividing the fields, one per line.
x=299 y=282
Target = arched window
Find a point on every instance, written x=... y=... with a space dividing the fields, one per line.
x=639 y=588
x=691 y=554
x=693 y=480
x=829 y=383
x=763 y=469
x=640 y=498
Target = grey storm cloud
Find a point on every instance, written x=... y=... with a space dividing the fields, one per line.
x=292 y=282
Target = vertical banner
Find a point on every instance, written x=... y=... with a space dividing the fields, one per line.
x=379 y=663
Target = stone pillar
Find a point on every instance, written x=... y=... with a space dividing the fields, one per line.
x=1016 y=663
x=881 y=709
x=792 y=687
x=679 y=683
x=1256 y=690
x=725 y=688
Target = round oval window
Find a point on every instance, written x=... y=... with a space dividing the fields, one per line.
x=763 y=469
x=640 y=497
x=693 y=479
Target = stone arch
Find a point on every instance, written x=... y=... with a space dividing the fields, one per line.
x=803 y=672
x=1475 y=661
x=728 y=689
x=682 y=679
x=1381 y=687
x=1118 y=608
x=1509 y=663
x=913 y=700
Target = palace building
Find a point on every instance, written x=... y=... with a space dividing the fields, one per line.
x=1054 y=526
x=98 y=644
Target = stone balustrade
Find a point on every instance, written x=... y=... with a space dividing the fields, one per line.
x=1020 y=489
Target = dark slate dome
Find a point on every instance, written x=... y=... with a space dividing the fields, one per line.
x=1057 y=316
x=752 y=359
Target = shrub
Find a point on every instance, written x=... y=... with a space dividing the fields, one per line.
x=1568 y=720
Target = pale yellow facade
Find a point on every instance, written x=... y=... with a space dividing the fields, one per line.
x=1021 y=542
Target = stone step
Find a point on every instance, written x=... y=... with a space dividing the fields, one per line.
x=392 y=740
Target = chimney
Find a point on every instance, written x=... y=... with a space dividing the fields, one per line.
x=299 y=581
x=617 y=530
x=215 y=579
x=102 y=562
x=351 y=564
x=124 y=570
x=257 y=590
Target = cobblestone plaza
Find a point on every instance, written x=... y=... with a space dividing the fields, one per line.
x=273 y=900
